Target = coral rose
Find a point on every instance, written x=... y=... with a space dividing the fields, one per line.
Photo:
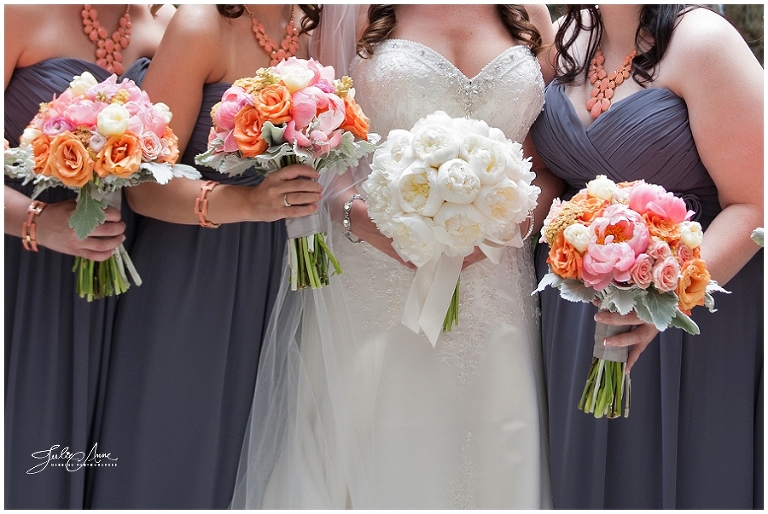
x=564 y=260
x=172 y=141
x=69 y=161
x=273 y=104
x=121 y=156
x=247 y=132
x=41 y=147
x=355 y=120
x=662 y=227
x=692 y=285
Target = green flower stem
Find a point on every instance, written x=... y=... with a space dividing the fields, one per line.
x=98 y=280
x=606 y=386
x=452 y=316
x=312 y=267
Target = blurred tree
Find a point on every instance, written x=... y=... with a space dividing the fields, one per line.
x=748 y=19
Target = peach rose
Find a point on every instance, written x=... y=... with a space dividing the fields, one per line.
x=692 y=285
x=354 y=119
x=591 y=205
x=69 y=161
x=273 y=103
x=666 y=273
x=121 y=156
x=663 y=228
x=172 y=140
x=247 y=132
x=564 y=259
x=41 y=147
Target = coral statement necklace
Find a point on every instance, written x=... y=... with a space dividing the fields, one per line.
x=288 y=46
x=605 y=84
x=108 y=49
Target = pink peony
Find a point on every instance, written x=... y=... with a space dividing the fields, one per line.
x=619 y=237
x=295 y=136
x=653 y=198
x=666 y=274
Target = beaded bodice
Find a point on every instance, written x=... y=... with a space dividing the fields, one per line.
x=404 y=81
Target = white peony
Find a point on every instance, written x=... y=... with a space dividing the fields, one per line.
x=460 y=228
x=436 y=144
x=417 y=189
x=497 y=135
x=82 y=83
x=296 y=76
x=382 y=201
x=578 y=236
x=691 y=234
x=113 y=120
x=165 y=111
x=29 y=135
x=467 y=126
x=518 y=167
x=487 y=158
x=457 y=182
x=414 y=238
x=601 y=187
x=397 y=152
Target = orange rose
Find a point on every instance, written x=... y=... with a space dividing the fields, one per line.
x=564 y=259
x=41 y=147
x=273 y=103
x=173 y=146
x=692 y=285
x=69 y=161
x=663 y=228
x=354 y=119
x=593 y=207
x=120 y=156
x=247 y=132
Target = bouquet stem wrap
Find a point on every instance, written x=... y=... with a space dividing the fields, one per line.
x=309 y=256
x=107 y=278
x=607 y=382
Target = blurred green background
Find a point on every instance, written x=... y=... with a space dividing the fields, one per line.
x=747 y=18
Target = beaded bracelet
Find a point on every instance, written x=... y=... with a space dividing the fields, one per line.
x=346 y=223
x=201 y=205
x=29 y=227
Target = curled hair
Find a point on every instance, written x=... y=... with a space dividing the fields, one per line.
x=654 y=32
x=309 y=21
x=382 y=21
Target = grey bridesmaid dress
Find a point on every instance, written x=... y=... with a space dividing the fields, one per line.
x=694 y=438
x=185 y=353
x=56 y=344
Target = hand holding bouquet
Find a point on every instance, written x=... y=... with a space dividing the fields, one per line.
x=294 y=112
x=629 y=246
x=439 y=190
x=96 y=138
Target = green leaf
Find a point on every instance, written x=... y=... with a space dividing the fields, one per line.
x=661 y=308
x=685 y=322
x=576 y=291
x=89 y=213
x=550 y=279
x=273 y=135
x=621 y=300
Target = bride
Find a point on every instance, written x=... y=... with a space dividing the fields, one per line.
x=351 y=408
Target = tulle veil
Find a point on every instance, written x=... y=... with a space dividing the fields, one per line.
x=302 y=409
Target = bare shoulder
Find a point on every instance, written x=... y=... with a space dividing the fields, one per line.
x=706 y=46
x=539 y=15
x=197 y=26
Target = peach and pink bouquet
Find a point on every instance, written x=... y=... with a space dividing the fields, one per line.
x=625 y=246
x=95 y=138
x=293 y=112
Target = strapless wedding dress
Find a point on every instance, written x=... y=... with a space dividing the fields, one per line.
x=353 y=409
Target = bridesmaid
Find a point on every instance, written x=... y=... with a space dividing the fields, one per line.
x=56 y=344
x=187 y=341
x=691 y=121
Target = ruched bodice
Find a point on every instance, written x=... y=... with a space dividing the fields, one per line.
x=404 y=81
x=644 y=136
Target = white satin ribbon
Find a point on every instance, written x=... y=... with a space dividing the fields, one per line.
x=115 y=199
x=303 y=226
x=432 y=290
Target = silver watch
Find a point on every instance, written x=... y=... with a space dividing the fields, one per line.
x=346 y=223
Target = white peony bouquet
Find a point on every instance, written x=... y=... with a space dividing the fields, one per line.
x=439 y=190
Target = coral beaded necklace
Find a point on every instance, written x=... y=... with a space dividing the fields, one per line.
x=605 y=84
x=288 y=46
x=108 y=49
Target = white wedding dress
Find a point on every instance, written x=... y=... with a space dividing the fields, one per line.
x=354 y=410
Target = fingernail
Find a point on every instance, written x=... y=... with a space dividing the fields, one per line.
x=605 y=342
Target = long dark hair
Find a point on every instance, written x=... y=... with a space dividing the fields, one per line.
x=309 y=21
x=382 y=21
x=657 y=22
